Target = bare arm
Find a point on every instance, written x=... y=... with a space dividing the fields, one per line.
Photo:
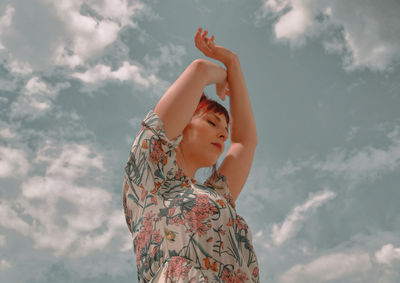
x=177 y=105
x=239 y=158
x=237 y=162
x=243 y=127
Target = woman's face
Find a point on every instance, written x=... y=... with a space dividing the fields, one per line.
x=204 y=138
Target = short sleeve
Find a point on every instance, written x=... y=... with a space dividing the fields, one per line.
x=151 y=162
x=218 y=181
x=150 y=159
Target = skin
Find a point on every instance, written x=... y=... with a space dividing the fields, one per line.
x=179 y=102
x=196 y=149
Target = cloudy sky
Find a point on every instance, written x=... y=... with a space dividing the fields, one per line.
x=78 y=76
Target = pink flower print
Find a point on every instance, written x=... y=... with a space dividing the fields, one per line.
x=153 y=253
x=240 y=223
x=178 y=268
x=171 y=211
x=233 y=277
x=195 y=223
x=202 y=200
x=147 y=224
x=157 y=152
x=177 y=220
x=144 y=193
x=255 y=271
x=154 y=200
x=156 y=236
x=141 y=241
x=179 y=174
x=240 y=277
x=227 y=275
x=199 y=213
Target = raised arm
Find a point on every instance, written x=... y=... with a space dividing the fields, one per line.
x=237 y=162
x=239 y=158
x=177 y=105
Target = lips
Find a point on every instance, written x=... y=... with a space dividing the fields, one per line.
x=217 y=145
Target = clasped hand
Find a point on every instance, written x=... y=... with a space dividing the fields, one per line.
x=207 y=46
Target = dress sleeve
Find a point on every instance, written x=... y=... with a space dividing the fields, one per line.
x=218 y=181
x=148 y=163
x=151 y=162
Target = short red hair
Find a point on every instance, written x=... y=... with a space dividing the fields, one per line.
x=206 y=105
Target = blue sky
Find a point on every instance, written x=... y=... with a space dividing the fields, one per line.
x=78 y=76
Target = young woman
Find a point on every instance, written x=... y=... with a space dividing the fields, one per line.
x=185 y=231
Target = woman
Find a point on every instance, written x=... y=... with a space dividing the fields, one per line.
x=185 y=231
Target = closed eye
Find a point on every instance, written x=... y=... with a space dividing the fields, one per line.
x=211 y=123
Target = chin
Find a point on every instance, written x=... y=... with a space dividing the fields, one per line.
x=209 y=162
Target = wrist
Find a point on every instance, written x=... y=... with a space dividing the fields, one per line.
x=231 y=60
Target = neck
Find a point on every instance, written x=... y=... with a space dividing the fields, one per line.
x=188 y=169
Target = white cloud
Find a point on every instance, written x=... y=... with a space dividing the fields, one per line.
x=329 y=267
x=6 y=133
x=293 y=222
x=171 y=55
x=67 y=215
x=86 y=35
x=74 y=162
x=387 y=254
x=293 y=24
x=19 y=67
x=368 y=29
x=355 y=166
x=352 y=133
x=13 y=162
x=118 y=10
x=36 y=99
x=126 y=72
x=288 y=169
x=4 y=264
x=5 y=21
x=9 y=218
x=35 y=85
x=363 y=164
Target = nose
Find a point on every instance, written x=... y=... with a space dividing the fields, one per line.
x=223 y=135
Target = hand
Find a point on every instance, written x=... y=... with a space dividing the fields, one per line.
x=208 y=47
x=222 y=89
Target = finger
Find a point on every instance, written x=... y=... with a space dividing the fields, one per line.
x=205 y=43
x=211 y=43
x=198 y=33
x=212 y=39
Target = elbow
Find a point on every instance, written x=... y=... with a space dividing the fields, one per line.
x=200 y=67
x=199 y=64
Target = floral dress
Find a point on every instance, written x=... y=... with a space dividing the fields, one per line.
x=183 y=231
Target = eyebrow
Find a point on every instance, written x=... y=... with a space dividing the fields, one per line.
x=219 y=119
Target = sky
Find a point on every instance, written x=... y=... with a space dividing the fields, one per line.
x=78 y=76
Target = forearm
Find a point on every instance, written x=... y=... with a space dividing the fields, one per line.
x=213 y=72
x=243 y=127
x=177 y=105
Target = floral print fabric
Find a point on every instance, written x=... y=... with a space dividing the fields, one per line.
x=183 y=231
